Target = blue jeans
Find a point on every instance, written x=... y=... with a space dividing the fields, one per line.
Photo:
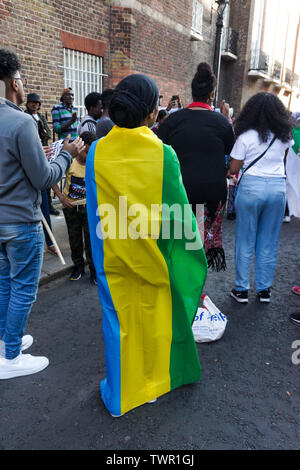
x=21 y=256
x=259 y=205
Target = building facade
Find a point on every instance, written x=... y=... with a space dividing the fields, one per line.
x=261 y=51
x=92 y=44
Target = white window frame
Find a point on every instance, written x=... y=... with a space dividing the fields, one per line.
x=83 y=73
x=257 y=26
x=197 y=21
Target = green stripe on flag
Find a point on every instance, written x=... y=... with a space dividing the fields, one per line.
x=187 y=273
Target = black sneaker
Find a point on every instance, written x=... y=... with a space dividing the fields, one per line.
x=264 y=296
x=295 y=318
x=76 y=274
x=240 y=296
x=93 y=279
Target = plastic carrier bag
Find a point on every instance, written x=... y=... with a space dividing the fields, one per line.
x=209 y=323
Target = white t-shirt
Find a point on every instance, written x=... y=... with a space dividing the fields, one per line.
x=248 y=147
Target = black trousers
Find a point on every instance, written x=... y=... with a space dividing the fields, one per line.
x=79 y=236
x=49 y=197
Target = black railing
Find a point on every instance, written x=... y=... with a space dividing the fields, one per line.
x=288 y=76
x=276 y=70
x=260 y=61
x=230 y=41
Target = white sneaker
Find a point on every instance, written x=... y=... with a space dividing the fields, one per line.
x=24 y=364
x=286 y=218
x=27 y=341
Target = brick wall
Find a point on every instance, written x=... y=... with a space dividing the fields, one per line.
x=155 y=39
x=33 y=29
x=148 y=36
x=234 y=73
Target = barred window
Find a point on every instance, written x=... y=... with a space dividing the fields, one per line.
x=84 y=74
x=197 y=21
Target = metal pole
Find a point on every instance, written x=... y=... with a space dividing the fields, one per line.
x=217 y=53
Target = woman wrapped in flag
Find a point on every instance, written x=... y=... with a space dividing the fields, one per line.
x=148 y=254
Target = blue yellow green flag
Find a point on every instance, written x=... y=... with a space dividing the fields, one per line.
x=150 y=280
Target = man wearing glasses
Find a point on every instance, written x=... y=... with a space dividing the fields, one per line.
x=64 y=116
x=24 y=172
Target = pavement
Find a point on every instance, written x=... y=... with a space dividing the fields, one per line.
x=247 y=398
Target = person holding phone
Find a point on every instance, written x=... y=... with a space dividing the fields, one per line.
x=174 y=104
x=24 y=172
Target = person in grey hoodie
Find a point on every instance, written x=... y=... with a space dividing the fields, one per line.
x=24 y=172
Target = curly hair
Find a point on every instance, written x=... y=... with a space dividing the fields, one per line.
x=204 y=82
x=9 y=64
x=88 y=137
x=264 y=112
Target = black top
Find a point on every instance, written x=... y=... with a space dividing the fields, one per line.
x=201 y=140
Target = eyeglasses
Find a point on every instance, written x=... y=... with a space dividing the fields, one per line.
x=23 y=80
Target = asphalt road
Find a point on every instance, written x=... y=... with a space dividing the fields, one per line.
x=248 y=397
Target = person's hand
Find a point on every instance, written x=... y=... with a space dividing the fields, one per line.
x=298 y=151
x=75 y=147
x=171 y=104
x=49 y=151
x=73 y=118
x=65 y=202
x=225 y=108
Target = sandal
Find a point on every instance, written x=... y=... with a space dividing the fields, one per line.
x=51 y=249
x=296 y=290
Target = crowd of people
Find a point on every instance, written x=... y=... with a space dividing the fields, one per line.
x=126 y=146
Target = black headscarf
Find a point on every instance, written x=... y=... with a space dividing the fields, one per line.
x=135 y=97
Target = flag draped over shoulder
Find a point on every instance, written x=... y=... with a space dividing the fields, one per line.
x=149 y=285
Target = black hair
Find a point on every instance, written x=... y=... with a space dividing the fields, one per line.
x=9 y=64
x=92 y=99
x=264 y=112
x=106 y=97
x=203 y=83
x=161 y=114
x=88 y=137
x=134 y=98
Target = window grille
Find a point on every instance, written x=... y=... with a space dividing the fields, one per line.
x=84 y=74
